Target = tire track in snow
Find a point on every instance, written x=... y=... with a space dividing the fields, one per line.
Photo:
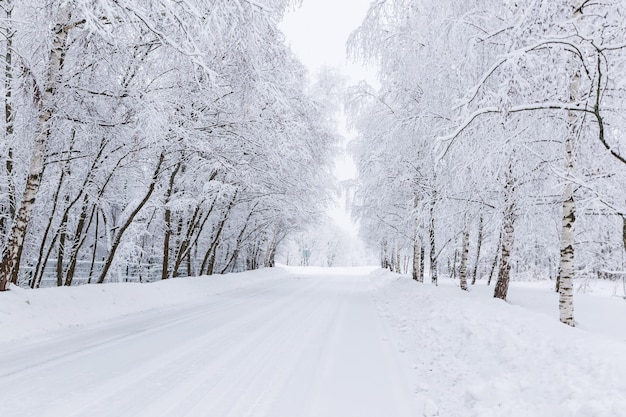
x=104 y=336
x=302 y=348
x=141 y=366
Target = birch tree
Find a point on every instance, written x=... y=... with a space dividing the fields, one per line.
x=182 y=123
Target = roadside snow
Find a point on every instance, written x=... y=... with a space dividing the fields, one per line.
x=473 y=355
x=25 y=312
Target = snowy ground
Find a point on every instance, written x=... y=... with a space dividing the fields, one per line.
x=295 y=342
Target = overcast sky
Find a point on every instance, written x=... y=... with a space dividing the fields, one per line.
x=317 y=32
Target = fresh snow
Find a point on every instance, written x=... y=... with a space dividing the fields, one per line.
x=298 y=342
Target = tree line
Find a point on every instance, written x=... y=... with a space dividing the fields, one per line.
x=494 y=144
x=174 y=138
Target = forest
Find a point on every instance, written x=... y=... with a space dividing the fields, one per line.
x=494 y=146
x=153 y=139
x=204 y=213
x=159 y=139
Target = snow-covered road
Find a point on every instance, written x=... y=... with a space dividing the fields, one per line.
x=304 y=346
x=307 y=342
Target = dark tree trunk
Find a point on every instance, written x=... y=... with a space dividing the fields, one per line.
x=120 y=233
x=167 y=217
x=479 y=242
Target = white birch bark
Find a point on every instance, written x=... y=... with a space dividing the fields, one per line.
x=507 y=237
x=431 y=239
x=566 y=261
x=9 y=117
x=417 y=259
x=44 y=100
x=566 y=264
x=418 y=273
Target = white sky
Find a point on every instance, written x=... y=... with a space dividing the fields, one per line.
x=317 y=32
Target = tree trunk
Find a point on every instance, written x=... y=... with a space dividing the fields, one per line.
x=422 y=253
x=167 y=218
x=120 y=233
x=270 y=258
x=453 y=269
x=566 y=262
x=417 y=259
x=464 y=255
x=194 y=230
x=45 y=102
x=233 y=258
x=624 y=231
x=385 y=256
x=79 y=239
x=94 y=252
x=62 y=239
x=208 y=263
x=479 y=241
x=508 y=235
x=41 y=261
x=431 y=238
x=397 y=263
x=418 y=274
x=9 y=117
x=495 y=259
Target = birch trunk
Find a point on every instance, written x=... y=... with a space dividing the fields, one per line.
x=507 y=237
x=44 y=100
x=417 y=259
x=418 y=273
x=9 y=117
x=431 y=238
x=566 y=261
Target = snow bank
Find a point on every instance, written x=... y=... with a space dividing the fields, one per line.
x=26 y=312
x=478 y=356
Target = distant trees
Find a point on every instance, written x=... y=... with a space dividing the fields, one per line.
x=162 y=138
x=324 y=245
x=504 y=109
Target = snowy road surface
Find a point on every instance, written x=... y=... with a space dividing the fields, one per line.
x=308 y=342
x=304 y=346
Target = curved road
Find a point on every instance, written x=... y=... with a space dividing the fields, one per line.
x=306 y=346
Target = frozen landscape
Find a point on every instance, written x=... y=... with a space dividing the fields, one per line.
x=293 y=341
x=189 y=190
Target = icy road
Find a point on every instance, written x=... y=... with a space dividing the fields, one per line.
x=306 y=346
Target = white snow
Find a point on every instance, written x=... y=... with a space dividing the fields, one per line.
x=298 y=342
